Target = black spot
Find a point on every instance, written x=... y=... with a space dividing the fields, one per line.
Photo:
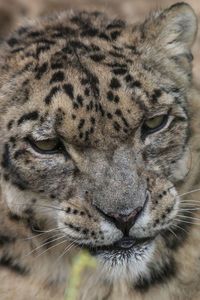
x=17 y=50
x=91 y=130
x=116 y=126
x=109 y=115
x=22 y=30
x=79 y=99
x=115 y=84
x=117 y=65
x=96 y=107
x=56 y=65
x=90 y=106
x=78 y=45
x=156 y=94
x=158 y=275
x=12 y=42
x=115 y=24
x=41 y=70
x=6 y=240
x=157 y=221
x=81 y=123
x=41 y=49
x=32 y=116
x=14 y=217
x=110 y=95
x=136 y=83
x=82 y=213
x=69 y=90
x=97 y=57
x=19 y=153
x=116 y=99
x=26 y=81
x=62 y=31
x=125 y=122
x=10 y=124
x=68 y=210
x=115 y=54
x=8 y=262
x=77 y=229
x=52 y=93
x=35 y=34
x=92 y=120
x=6 y=157
x=57 y=77
x=85 y=231
x=128 y=78
x=6 y=177
x=90 y=32
x=114 y=35
x=75 y=106
x=44 y=41
x=87 y=92
x=94 y=47
x=104 y=36
x=86 y=136
x=101 y=110
x=119 y=71
x=73 y=117
x=118 y=112
x=84 y=81
x=20 y=185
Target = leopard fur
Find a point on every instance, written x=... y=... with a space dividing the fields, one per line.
x=93 y=82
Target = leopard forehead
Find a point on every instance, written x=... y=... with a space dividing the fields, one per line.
x=97 y=76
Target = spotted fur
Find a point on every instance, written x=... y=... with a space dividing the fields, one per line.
x=92 y=83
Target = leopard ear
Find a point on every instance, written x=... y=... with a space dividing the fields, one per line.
x=173 y=29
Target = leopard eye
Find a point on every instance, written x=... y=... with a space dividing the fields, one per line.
x=154 y=124
x=48 y=146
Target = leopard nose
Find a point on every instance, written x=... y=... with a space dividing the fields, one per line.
x=123 y=222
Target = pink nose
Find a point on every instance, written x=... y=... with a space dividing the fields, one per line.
x=124 y=218
x=124 y=222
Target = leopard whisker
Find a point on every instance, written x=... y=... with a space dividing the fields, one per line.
x=190 y=201
x=52 y=247
x=170 y=229
x=46 y=231
x=177 y=226
x=190 y=204
x=46 y=243
x=43 y=233
x=187 y=222
x=189 y=209
x=45 y=206
x=188 y=217
x=66 y=250
x=192 y=191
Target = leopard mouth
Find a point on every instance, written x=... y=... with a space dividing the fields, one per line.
x=126 y=244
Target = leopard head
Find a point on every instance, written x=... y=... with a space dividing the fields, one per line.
x=95 y=130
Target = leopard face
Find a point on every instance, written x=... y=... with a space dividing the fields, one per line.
x=95 y=129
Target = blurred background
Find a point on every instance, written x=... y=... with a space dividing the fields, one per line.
x=12 y=13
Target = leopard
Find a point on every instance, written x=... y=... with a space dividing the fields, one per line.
x=99 y=150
